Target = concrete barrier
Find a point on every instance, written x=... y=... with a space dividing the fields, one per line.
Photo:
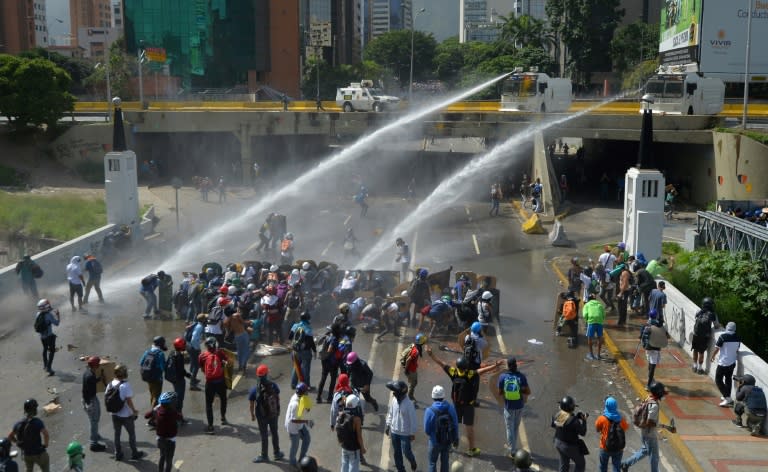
x=680 y=315
x=54 y=261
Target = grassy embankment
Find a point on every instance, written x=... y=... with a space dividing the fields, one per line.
x=60 y=217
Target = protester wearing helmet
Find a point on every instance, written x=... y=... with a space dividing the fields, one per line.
x=27 y=269
x=32 y=437
x=409 y=359
x=439 y=450
x=152 y=367
x=75 y=457
x=750 y=406
x=45 y=319
x=648 y=434
x=476 y=347
x=126 y=416
x=166 y=418
x=91 y=380
x=465 y=386
x=569 y=425
x=485 y=308
x=360 y=377
x=212 y=363
x=264 y=406
x=297 y=423
x=177 y=374
x=705 y=321
x=401 y=423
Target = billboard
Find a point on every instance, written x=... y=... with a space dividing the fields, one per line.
x=724 y=40
x=680 y=20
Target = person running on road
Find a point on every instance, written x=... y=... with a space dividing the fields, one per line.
x=91 y=404
x=296 y=425
x=330 y=359
x=94 y=269
x=45 y=319
x=465 y=386
x=27 y=434
x=568 y=427
x=603 y=426
x=212 y=362
x=442 y=434
x=594 y=317
x=648 y=433
x=264 y=406
x=76 y=282
x=401 y=424
x=513 y=388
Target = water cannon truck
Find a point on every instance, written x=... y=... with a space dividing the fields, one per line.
x=535 y=91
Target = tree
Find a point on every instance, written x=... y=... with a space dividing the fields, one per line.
x=332 y=78
x=33 y=92
x=122 y=66
x=78 y=69
x=634 y=43
x=393 y=50
x=525 y=31
x=585 y=27
x=633 y=79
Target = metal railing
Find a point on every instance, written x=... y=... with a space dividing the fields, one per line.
x=728 y=233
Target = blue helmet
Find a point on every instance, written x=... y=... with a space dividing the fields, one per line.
x=652 y=313
x=476 y=327
x=167 y=398
x=423 y=273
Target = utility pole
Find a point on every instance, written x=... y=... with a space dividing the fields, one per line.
x=140 y=60
x=746 y=68
x=413 y=28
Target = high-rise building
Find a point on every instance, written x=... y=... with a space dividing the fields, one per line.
x=389 y=15
x=23 y=26
x=332 y=28
x=648 y=11
x=221 y=43
x=117 y=14
x=533 y=8
x=91 y=24
x=477 y=22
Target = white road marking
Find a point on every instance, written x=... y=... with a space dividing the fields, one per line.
x=349 y=217
x=325 y=251
x=250 y=248
x=385 y=441
x=477 y=248
x=235 y=381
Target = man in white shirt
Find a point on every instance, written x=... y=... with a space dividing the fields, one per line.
x=402 y=424
x=126 y=416
x=76 y=282
x=727 y=345
x=296 y=425
x=607 y=259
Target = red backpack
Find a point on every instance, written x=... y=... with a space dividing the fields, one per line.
x=214 y=365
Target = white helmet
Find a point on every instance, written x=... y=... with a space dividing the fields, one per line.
x=392 y=307
x=295 y=272
x=273 y=268
x=305 y=266
x=404 y=293
x=487 y=295
x=288 y=235
x=438 y=392
x=43 y=304
x=352 y=401
x=251 y=287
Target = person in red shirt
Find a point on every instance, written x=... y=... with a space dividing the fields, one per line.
x=212 y=363
x=603 y=426
x=167 y=420
x=411 y=364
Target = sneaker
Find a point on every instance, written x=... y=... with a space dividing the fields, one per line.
x=414 y=466
x=319 y=400
x=475 y=451
x=375 y=406
x=51 y=373
x=260 y=459
x=695 y=369
x=755 y=434
x=624 y=467
x=224 y=421
x=702 y=372
x=119 y=456
x=737 y=423
x=96 y=447
x=138 y=455
x=590 y=357
x=279 y=455
x=726 y=402
x=209 y=429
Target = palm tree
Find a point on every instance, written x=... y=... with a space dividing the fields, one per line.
x=525 y=30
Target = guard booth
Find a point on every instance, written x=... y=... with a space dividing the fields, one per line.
x=644 y=212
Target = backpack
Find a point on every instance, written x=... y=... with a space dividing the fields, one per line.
x=615 y=441
x=640 y=414
x=24 y=436
x=96 y=267
x=470 y=350
x=36 y=270
x=172 y=368
x=703 y=326
x=594 y=286
x=443 y=427
x=146 y=282
x=512 y=388
x=214 y=369
x=298 y=343
x=569 y=310
x=405 y=355
x=215 y=315
x=326 y=349
x=463 y=390
x=41 y=322
x=112 y=401
x=150 y=369
x=269 y=404
x=345 y=428
x=188 y=332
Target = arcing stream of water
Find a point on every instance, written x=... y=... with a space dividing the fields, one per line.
x=454 y=187
x=206 y=241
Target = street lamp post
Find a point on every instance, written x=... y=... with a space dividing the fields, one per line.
x=413 y=28
x=140 y=60
x=746 y=67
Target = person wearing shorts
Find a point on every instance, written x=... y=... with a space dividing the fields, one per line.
x=594 y=317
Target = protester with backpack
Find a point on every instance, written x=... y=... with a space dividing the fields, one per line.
x=349 y=432
x=177 y=374
x=118 y=400
x=303 y=347
x=464 y=389
x=296 y=424
x=193 y=335
x=94 y=269
x=441 y=425
x=27 y=436
x=750 y=407
x=705 y=320
x=513 y=388
x=409 y=359
x=45 y=319
x=475 y=346
x=568 y=427
x=646 y=417
x=401 y=424
x=611 y=426
x=213 y=361
x=91 y=405
x=152 y=368
x=327 y=350
x=653 y=337
x=264 y=401
x=147 y=290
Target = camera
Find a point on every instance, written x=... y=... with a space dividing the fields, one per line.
x=582 y=415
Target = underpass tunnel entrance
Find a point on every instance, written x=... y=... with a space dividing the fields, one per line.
x=594 y=169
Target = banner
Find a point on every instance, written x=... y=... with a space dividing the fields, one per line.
x=155 y=54
x=680 y=20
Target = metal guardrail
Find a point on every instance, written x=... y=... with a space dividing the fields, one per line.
x=725 y=232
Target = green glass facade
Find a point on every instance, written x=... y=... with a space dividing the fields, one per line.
x=209 y=43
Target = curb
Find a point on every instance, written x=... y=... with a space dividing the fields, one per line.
x=691 y=464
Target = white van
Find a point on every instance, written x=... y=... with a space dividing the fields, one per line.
x=535 y=92
x=686 y=94
x=362 y=96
